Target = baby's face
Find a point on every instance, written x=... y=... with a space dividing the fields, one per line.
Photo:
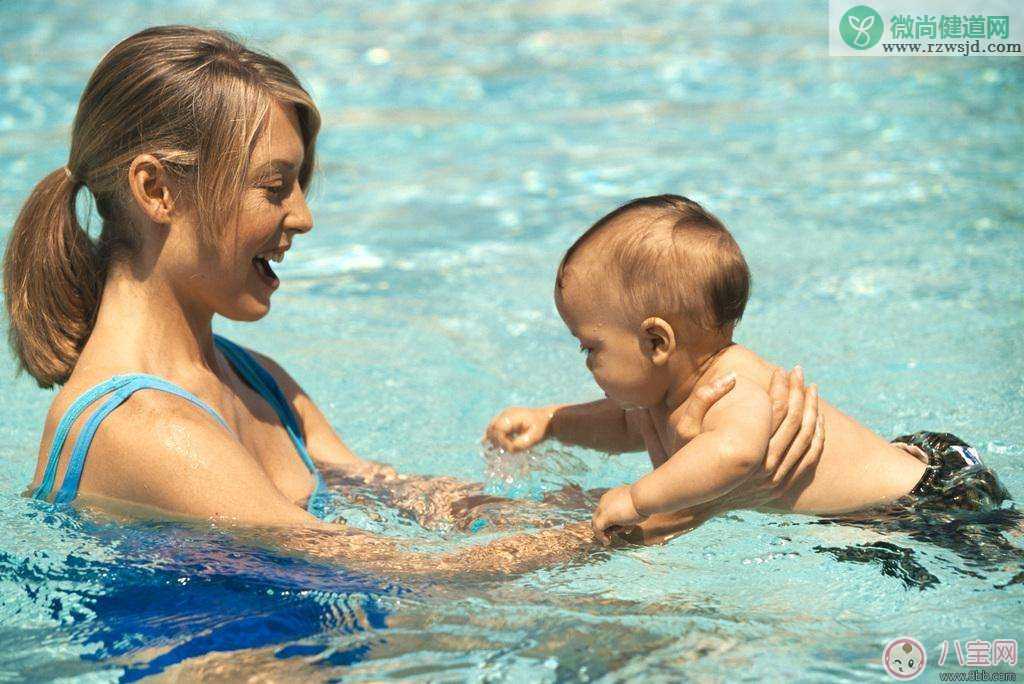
x=614 y=349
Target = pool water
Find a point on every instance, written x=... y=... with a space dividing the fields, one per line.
x=878 y=202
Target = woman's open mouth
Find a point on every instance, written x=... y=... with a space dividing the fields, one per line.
x=262 y=265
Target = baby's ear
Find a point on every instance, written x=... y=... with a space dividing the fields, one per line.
x=660 y=339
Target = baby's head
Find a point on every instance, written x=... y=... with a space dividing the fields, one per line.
x=650 y=290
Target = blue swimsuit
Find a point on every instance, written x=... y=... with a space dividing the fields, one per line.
x=120 y=387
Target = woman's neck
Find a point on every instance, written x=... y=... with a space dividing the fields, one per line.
x=145 y=326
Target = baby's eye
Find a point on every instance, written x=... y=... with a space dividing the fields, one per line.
x=584 y=350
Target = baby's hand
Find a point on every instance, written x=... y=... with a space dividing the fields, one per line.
x=615 y=509
x=517 y=428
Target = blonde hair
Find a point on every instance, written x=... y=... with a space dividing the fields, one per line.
x=197 y=100
x=669 y=255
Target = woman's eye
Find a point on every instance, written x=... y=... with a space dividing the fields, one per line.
x=584 y=350
x=274 y=187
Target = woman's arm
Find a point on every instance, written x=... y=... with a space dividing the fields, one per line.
x=512 y=554
x=431 y=501
x=322 y=442
x=187 y=466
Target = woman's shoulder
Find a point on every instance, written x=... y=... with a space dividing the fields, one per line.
x=90 y=386
x=77 y=386
x=148 y=429
x=284 y=380
x=161 y=451
x=302 y=406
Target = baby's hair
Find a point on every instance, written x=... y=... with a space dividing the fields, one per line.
x=670 y=256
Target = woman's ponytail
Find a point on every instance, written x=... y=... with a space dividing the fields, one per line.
x=53 y=277
x=195 y=99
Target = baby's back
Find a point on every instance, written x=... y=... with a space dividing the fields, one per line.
x=858 y=469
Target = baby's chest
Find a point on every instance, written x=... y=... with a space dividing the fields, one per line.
x=660 y=439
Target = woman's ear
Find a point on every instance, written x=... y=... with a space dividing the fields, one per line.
x=148 y=181
x=659 y=340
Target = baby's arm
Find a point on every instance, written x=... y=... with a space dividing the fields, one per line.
x=732 y=444
x=599 y=425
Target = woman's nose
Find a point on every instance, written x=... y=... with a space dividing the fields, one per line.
x=299 y=218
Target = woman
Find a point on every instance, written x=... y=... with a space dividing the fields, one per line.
x=198 y=152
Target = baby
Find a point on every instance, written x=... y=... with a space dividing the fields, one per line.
x=653 y=292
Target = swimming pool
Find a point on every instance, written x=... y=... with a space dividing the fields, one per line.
x=878 y=202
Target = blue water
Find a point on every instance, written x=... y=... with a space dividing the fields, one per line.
x=878 y=202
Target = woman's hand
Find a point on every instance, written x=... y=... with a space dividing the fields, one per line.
x=794 y=449
x=798 y=437
x=518 y=428
x=372 y=472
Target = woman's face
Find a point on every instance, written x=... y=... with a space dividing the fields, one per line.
x=236 y=279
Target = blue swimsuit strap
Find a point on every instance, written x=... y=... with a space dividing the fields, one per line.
x=265 y=385
x=121 y=387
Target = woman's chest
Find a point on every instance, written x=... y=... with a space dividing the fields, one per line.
x=263 y=435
